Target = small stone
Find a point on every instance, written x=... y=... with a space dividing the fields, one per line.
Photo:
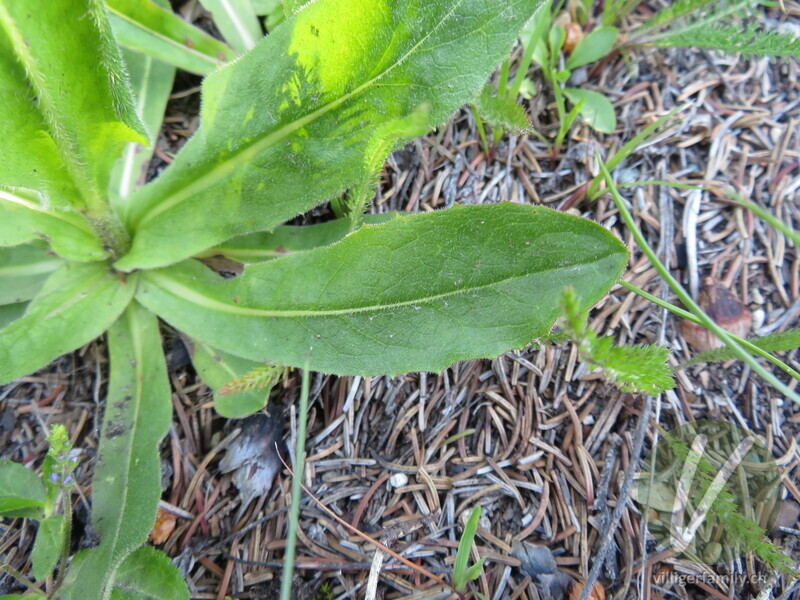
x=398 y=480
x=759 y=317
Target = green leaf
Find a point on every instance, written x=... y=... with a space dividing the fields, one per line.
x=22 y=597
x=21 y=491
x=23 y=270
x=126 y=486
x=596 y=109
x=555 y=41
x=148 y=574
x=502 y=112
x=216 y=369
x=77 y=303
x=142 y=26
x=475 y=570
x=288 y=239
x=47 y=547
x=237 y=22
x=289 y=125
x=462 y=574
x=775 y=342
x=152 y=84
x=593 y=47
x=271 y=10
x=69 y=94
x=414 y=294
x=11 y=312
x=24 y=217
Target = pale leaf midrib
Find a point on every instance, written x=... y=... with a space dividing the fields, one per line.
x=240 y=27
x=247 y=152
x=35 y=267
x=76 y=222
x=187 y=293
x=80 y=290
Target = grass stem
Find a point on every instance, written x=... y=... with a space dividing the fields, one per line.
x=297 y=489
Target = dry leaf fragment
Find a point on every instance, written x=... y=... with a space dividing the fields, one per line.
x=251 y=456
x=598 y=592
x=573 y=35
x=163 y=528
x=725 y=309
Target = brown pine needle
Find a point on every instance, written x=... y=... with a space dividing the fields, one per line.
x=364 y=536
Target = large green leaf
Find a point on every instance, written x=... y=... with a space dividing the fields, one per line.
x=142 y=26
x=25 y=217
x=21 y=491
x=23 y=271
x=291 y=123
x=148 y=574
x=414 y=294
x=127 y=480
x=287 y=239
x=77 y=303
x=11 y=312
x=71 y=107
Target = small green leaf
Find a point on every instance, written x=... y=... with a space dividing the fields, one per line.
x=593 y=47
x=126 y=486
x=47 y=547
x=24 y=217
x=414 y=294
x=21 y=491
x=555 y=40
x=271 y=10
x=596 y=109
x=475 y=570
x=216 y=369
x=288 y=239
x=289 y=125
x=152 y=85
x=237 y=22
x=462 y=574
x=502 y=112
x=148 y=574
x=144 y=27
x=77 y=303
x=23 y=270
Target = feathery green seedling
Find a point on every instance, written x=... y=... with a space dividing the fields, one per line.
x=635 y=369
x=733 y=506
